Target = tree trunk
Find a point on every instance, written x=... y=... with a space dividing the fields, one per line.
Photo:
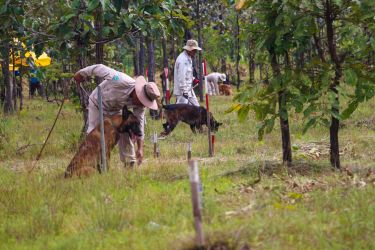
x=223 y=63
x=238 y=49
x=261 y=72
x=335 y=123
x=200 y=56
x=151 y=69
x=283 y=113
x=251 y=62
x=99 y=46
x=141 y=55
x=83 y=98
x=8 y=98
x=20 y=86
x=187 y=34
x=319 y=49
x=165 y=65
x=172 y=52
x=14 y=81
x=136 y=59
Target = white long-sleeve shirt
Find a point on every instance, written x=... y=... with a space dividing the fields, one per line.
x=215 y=77
x=116 y=88
x=183 y=74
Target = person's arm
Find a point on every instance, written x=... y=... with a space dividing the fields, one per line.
x=98 y=70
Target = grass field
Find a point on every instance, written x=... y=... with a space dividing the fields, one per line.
x=249 y=198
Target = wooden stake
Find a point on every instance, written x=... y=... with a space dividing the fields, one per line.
x=155 y=141
x=213 y=143
x=196 y=202
x=189 y=151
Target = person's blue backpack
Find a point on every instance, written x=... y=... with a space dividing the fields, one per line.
x=34 y=80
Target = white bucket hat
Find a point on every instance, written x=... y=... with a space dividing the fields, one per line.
x=223 y=77
x=191 y=45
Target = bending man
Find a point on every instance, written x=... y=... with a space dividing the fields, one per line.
x=119 y=89
x=212 y=82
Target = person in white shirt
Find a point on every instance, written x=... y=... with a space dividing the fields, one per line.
x=212 y=82
x=183 y=74
x=119 y=89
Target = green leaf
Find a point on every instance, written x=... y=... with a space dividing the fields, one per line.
x=260 y=131
x=298 y=106
x=349 y=110
x=93 y=4
x=243 y=112
x=234 y=107
x=68 y=17
x=269 y=124
x=3 y=9
x=311 y=122
x=310 y=109
x=350 y=77
x=106 y=31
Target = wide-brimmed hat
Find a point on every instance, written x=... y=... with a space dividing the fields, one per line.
x=191 y=45
x=147 y=92
x=223 y=77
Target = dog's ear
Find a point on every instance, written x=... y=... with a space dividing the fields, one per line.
x=125 y=112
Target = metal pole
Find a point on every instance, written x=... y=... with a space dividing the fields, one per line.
x=208 y=111
x=196 y=201
x=102 y=139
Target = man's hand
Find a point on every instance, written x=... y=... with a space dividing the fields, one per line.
x=78 y=78
x=185 y=95
x=196 y=81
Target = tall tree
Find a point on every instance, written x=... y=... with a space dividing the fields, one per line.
x=8 y=100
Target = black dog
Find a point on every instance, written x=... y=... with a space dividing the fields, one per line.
x=192 y=115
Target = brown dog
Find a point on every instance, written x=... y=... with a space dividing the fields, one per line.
x=225 y=89
x=192 y=115
x=88 y=157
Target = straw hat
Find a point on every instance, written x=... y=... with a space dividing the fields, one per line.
x=191 y=45
x=147 y=93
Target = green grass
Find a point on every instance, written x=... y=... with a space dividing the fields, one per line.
x=249 y=197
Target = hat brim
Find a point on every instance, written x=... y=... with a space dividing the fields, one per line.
x=140 y=82
x=189 y=48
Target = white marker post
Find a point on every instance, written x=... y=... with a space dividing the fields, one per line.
x=167 y=92
x=196 y=201
x=102 y=139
